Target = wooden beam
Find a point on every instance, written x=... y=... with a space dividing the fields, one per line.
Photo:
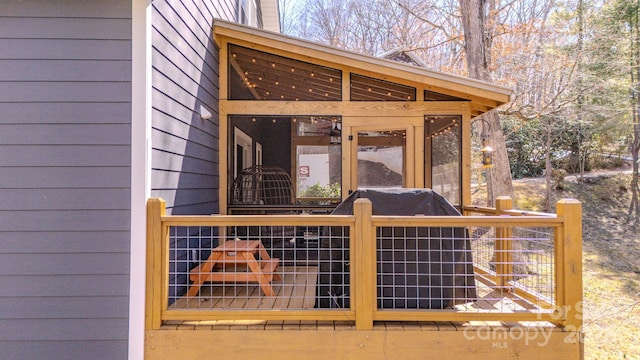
x=319 y=342
x=388 y=109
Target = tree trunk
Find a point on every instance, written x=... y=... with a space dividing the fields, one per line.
x=547 y=166
x=478 y=34
x=634 y=207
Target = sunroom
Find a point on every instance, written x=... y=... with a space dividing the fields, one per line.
x=315 y=144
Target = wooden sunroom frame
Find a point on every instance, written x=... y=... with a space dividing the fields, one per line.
x=478 y=97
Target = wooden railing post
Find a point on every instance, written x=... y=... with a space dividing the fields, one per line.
x=364 y=271
x=504 y=245
x=568 y=259
x=156 y=208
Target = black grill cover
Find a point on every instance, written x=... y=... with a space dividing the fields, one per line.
x=423 y=268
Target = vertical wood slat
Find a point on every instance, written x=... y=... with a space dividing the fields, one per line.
x=504 y=245
x=569 y=263
x=156 y=208
x=364 y=289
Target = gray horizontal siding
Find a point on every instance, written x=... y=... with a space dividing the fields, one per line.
x=64 y=286
x=74 y=155
x=51 y=307
x=64 y=199
x=99 y=9
x=65 y=113
x=66 y=264
x=65 y=70
x=50 y=330
x=171 y=179
x=65 y=49
x=66 y=134
x=65 y=154
x=76 y=28
x=184 y=164
x=83 y=349
x=63 y=220
x=65 y=91
x=59 y=177
x=65 y=242
x=185 y=76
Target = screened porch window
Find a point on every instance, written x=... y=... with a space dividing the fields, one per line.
x=307 y=148
x=364 y=88
x=257 y=75
x=444 y=135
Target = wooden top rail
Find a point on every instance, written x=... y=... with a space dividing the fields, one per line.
x=347 y=220
x=462 y=221
x=511 y=212
x=257 y=220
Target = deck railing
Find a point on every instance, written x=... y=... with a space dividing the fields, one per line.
x=527 y=266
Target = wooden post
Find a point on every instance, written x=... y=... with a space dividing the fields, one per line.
x=504 y=246
x=156 y=208
x=364 y=288
x=569 y=263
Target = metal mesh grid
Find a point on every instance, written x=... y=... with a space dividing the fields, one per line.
x=306 y=268
x=426 y=268
x=417 y=268
x=532 y=274
x=536 y=270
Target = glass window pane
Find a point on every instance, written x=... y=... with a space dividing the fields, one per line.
x=319 y=174
x=381 y=159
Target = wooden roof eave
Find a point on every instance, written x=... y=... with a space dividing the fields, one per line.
x=482 y=95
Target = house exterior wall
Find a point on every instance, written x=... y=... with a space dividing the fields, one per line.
x=184 y=158
x=65 y=152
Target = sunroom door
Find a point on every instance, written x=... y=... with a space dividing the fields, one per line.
x=381 y=159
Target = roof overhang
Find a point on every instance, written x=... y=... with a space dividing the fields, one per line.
x=483 y=96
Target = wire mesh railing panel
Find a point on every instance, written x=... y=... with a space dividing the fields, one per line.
x=259 y=267
x=534 y=263
x=424 y=268
x=466 y=268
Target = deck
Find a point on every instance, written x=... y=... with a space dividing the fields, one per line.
x=514 y=315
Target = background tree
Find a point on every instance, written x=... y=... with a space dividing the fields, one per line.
x=478 y=22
